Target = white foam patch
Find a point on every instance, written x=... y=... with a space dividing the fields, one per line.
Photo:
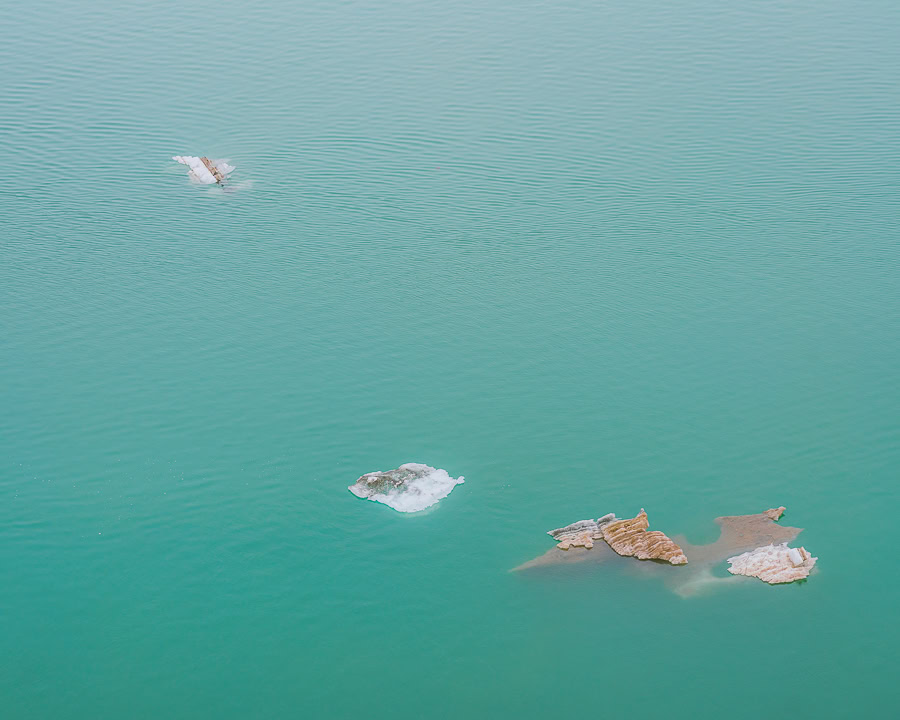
x=417 y=494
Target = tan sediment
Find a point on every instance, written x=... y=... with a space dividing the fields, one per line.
x=554 y=557
x=740 y=533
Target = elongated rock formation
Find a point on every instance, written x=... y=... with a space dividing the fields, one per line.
x=581 y=534
x=204 y=170
x=632 y=538
x=773 y=563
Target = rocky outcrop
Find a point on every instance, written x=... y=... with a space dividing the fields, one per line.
x=738 y=534
x=773 y=564
x=581 y=534
x=575 y=542
x=630 y=537
x=409 y=488
x=204 y=170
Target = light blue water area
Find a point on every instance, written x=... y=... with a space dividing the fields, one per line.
x=594 y=256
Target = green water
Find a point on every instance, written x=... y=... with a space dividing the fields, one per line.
x=595 y=257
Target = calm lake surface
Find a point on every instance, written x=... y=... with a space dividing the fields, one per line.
x=594 y=256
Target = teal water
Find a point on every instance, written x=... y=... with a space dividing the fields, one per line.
x=595 y=257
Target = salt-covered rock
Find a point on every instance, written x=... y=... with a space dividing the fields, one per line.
x=204 y=170
x=581 y=534
x=630 y=537
x=409 y=488
x=773 y=563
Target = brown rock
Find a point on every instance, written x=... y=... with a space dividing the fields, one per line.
x=582 y=539
x=213 y=169
x=774 y=513
x=580 y=534
x=631 y=538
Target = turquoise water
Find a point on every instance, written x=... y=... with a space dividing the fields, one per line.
x=595 y=257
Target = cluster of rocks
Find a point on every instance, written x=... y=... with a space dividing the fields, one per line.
x=753 y=545
x=629 y=537
x=761 y=544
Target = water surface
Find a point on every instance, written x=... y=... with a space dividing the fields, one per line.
x=595 y=257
